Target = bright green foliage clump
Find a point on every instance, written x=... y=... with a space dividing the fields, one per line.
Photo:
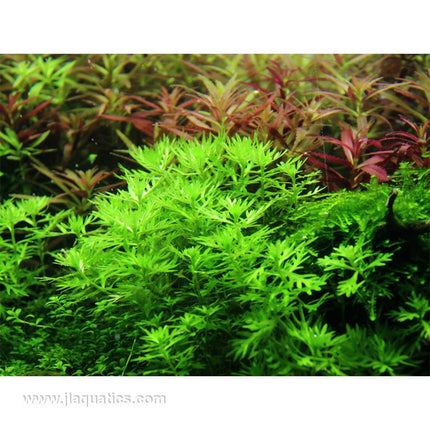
x=26 y=231
x=224 y=257
x=24 y=228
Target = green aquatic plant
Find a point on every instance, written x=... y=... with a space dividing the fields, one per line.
x=28 y=236
x=26 y=227
x=223 y=255
x=188 y=236
x=23 y=135
x=41 y=76
x=218 y=260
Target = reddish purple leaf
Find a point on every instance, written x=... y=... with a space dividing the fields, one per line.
x=332 y=158
x=115 y=118
x=143 y=125
x=35 y=111
x=372 y=160
x=378 y=171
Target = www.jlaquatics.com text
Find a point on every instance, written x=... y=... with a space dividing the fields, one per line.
x=69 y=399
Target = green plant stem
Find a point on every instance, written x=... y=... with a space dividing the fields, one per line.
x=129 y=358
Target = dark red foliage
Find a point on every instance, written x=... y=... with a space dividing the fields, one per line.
x=166 y=114
x=357 y=164
x=13 y=112
x=411 y=146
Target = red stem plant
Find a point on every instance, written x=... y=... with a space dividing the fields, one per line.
x=411 y=146
x=357 y=163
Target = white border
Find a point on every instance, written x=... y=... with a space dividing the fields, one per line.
x=221 y=26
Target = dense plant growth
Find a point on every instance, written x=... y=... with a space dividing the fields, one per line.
x=214 y=215
x=222 y=258
x=66 y=111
